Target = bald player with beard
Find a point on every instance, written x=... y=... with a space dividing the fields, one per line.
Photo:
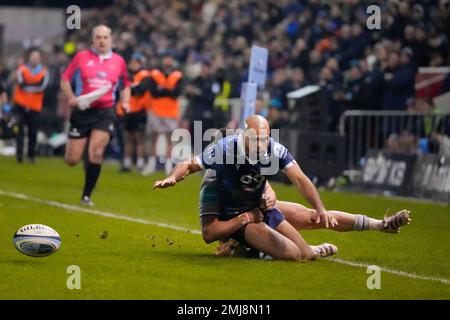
x=241 y=163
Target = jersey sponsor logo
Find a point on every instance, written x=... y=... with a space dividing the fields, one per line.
x=101 y=74
x=252 y=182
x=90 y=63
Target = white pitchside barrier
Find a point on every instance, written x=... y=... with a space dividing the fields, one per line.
x=256 y=80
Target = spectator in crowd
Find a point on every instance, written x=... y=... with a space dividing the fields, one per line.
x=332 y=96
x=306 y=34
x=353 y=85
x=398 y=81
x=31 y=81
x=403 y=143
x=3 y=95
x=201 y=93
x=223 y=90
x=281 y=86
x=165 y=88
x=314 y=64
x=297 y=79
x=371 y=87
x=6 y=130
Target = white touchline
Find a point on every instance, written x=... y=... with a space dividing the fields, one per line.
x=71 y=207
x=388 y=270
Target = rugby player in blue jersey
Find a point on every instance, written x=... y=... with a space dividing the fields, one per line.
x=241 y=163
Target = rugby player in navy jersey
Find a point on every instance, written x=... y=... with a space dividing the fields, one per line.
x=241 y=163
x=299 y=216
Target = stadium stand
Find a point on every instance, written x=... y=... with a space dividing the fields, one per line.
x=310 y=42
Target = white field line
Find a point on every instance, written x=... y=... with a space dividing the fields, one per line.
x=174 y=227
x=392 y=271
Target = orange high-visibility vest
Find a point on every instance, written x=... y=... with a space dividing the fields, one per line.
x=166 y=107
x=140 y=103
x=30 y=100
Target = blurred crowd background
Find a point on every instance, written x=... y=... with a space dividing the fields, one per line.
x=325 y=43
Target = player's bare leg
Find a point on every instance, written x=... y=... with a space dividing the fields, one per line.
x=263 y=238
x=300 y=218
x=74 y=151
x=128 y=154
x=151 y=164
x=309 y=252
x=139 y=137
x=168 y=165
x=284 y=243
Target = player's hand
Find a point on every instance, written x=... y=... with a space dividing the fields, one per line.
x=126 y=107
x=268 y=201
x=73 y=102
x=323 y=216
x=255 y=215
x=167 y=182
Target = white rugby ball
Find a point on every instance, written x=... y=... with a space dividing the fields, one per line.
x=37 y=240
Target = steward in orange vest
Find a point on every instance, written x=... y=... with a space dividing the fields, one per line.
x=165 y=88
x=30 y=86
x=31 y=81
x=134 y=120
x=140 y=99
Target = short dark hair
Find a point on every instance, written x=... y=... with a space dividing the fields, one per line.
x=30 y=51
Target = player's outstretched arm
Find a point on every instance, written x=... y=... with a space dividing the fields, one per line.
x=310 y=193
x=181 y=171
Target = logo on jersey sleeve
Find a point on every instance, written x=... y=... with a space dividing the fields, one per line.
x=213 y=155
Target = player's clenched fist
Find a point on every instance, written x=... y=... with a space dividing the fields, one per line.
x=255 y=215
x=168 y=182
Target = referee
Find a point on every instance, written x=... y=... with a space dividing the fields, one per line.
x=91 y=70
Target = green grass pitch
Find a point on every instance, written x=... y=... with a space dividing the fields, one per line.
x=142 y=261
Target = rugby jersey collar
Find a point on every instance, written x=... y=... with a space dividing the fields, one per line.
x=102 y=57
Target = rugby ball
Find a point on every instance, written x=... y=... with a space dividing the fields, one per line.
x=37 y=240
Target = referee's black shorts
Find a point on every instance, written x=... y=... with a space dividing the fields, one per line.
x=82 y=122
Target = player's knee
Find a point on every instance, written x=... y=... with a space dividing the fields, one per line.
x=207 y=236
x=96 y=156
x=71 y=161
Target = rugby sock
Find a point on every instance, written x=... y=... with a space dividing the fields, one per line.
x=168 y=166
x=91 y=177
x=151 y=164
x=127 y=163
x=150 y=167
x=140 y=163
x=364 y=223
